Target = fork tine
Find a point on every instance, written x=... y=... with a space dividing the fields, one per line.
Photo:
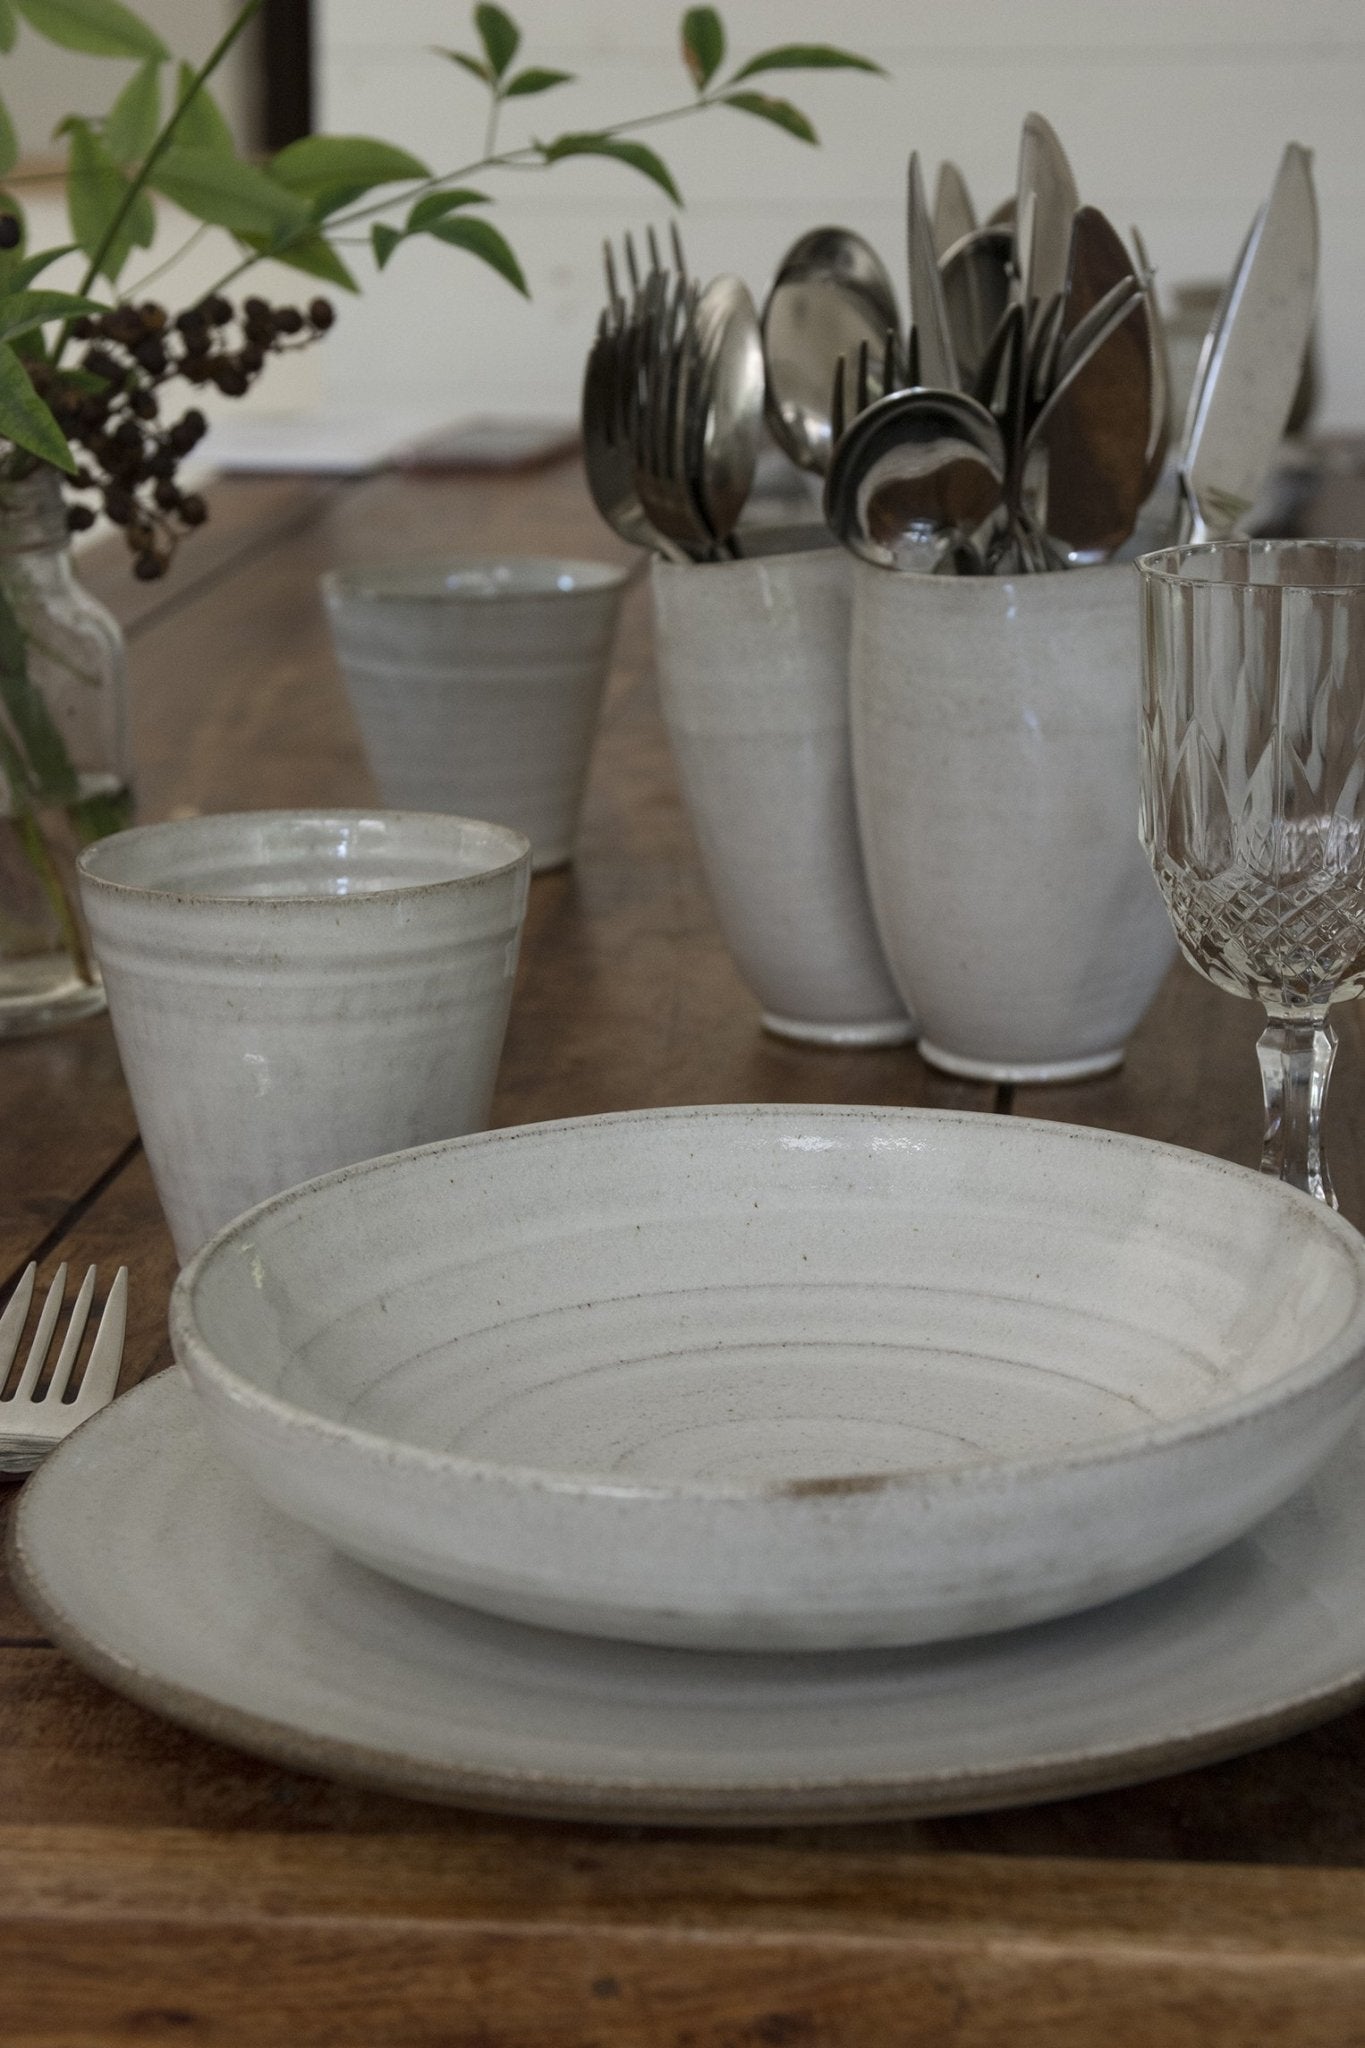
x=101 y=1374
x=71 y=1343
x=613 y=288
x=632 y=267
x=860 y=389
x=836 y=404
x=13 y=1320
x=653 y=242
x=42 y=1336
x=679 y=259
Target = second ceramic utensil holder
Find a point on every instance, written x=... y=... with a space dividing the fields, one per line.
x=995 y=743
x=753 y=673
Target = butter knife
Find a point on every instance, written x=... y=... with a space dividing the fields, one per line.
x=1253 y=359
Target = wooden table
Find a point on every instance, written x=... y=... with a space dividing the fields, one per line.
x=155 y=1887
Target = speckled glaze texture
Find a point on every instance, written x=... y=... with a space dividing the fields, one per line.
x=780 y=1378
x=293 y=991
x=213 y=1609
x=753 y=674
x=476 y=685
x=995 y=742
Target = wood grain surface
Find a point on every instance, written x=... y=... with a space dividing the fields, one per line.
x=155 y=1887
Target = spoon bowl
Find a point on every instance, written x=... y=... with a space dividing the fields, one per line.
x=831 y=295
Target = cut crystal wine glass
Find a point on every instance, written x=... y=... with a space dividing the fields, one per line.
x=1253 y=797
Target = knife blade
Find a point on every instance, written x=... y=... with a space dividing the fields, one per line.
x=928 y=308
x=1253 y=359
x=954 y=214
x=1045 y=172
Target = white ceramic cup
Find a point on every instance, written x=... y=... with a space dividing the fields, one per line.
x=995 y=744
x=476 y=684
x=292 y=992
x=753 y=675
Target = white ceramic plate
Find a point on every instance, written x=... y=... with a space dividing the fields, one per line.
x=156 y=1566
x=779 y=1377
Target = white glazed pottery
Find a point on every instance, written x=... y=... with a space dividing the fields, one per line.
x=292 y=991
x=476 y=684
x=995 y=742
x=753 y=675
x=213 y=1609
x=780 y=1377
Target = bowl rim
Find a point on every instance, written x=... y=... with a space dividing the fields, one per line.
x=1143 y=1441
x=514 y=852
x=368 y=582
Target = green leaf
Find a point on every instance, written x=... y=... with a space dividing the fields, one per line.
x=476 y=66
x=95 y=190
x=22 y=311
x=499 y=35
x=633 y=153
x=9 y=141
x=534 y=80
x=37 y=748
x=101 y=28
x=23 y=269
x=703 y=44
x=132 y=122
x=436 y=205
x=806 y=57
x=24 y=419
x=228 y=193
x=780 y=112
x=385 y=240
x=202 y=125
x=9 y=25
x=319 y=165
x=482 y=240
x=312 y=254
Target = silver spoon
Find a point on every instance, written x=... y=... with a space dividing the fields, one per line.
x=975 y=273
x=723 y=402
x=915 y=478
x=831 y=292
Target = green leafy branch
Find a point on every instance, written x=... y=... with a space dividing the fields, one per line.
x=318 y=196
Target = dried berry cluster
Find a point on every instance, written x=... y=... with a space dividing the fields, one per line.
x=110 y=409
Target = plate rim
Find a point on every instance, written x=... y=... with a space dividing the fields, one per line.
x=627 y=1800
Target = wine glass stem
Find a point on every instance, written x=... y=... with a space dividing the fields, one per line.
x=1296 y=1055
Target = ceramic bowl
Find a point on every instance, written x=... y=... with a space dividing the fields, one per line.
x=476 y=684
x=294 y=990
x=780 y=1377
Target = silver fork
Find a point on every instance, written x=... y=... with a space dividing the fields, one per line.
x=31 y=1423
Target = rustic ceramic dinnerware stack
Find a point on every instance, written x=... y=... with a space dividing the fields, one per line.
x=742 y=1463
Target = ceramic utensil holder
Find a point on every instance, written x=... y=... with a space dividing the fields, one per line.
x=753 y=674
x=292 y=992
x=995 y=746
x=476 y=685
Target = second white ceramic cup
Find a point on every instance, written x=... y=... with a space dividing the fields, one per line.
x=476 y=684
x=995 y=746
x=295 y=991
x=753 y=674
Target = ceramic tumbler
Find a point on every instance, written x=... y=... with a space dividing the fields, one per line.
x=476 y=684
x=292 y=992
x=995 y=744
x=753 y=674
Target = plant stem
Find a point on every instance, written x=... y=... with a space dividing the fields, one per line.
x=135 y=291
x=528 y=156
x=45 y=867
x=138 y=182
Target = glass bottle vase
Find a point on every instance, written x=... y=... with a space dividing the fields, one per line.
x=64 y=770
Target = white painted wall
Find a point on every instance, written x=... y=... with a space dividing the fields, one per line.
x=1173 y=112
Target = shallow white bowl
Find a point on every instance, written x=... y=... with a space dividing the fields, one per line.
x=758 y=1377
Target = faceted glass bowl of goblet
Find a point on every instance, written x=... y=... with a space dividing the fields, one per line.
x=1253 y=797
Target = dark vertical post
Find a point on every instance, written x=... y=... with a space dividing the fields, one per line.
x=285 y=49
